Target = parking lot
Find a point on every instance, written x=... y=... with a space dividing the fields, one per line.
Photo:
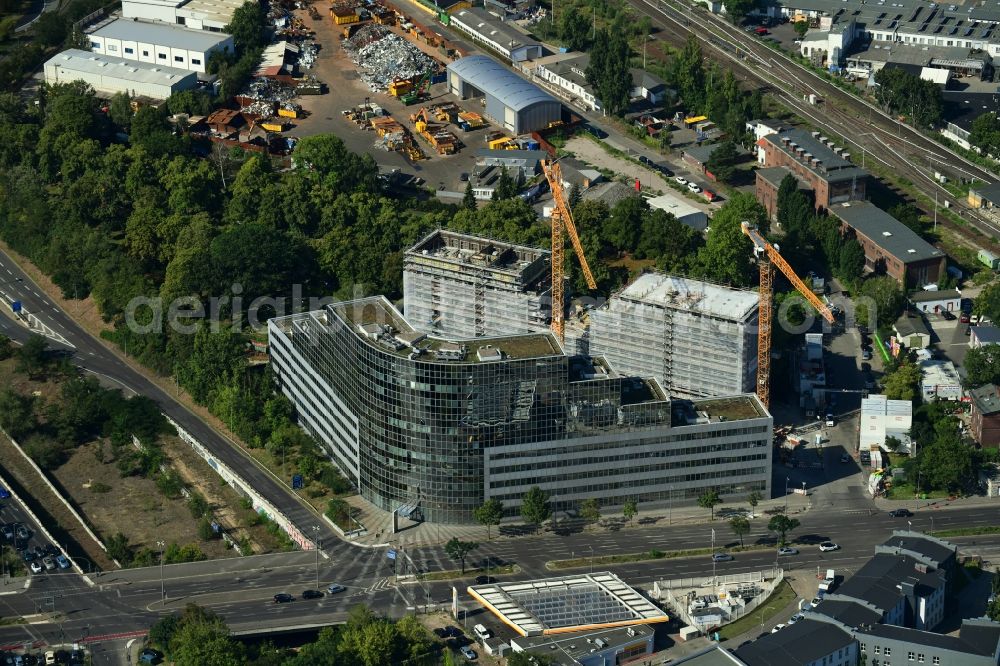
x=19 y=532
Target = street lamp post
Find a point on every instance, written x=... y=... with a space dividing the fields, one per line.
x=315 y=529
x=591 y=559
x=786 y=494
x=163 y=595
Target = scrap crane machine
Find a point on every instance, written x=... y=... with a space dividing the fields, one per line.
x=562 y=219
x=767 y=258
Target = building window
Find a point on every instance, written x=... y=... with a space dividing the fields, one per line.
x=129 y=50
x=888 y=651
x=195 y=61
x=936 y=660
x=95 y=45
x=863 y=647
x=145 y=54
x=878 y=650
x=178 y=58
x=112 y=47
x=161 y=56
x=910 y=656
x=920 y=658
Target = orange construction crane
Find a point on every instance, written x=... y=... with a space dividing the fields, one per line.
x=562 y=218
x=767 y=259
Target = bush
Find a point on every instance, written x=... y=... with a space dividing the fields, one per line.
x=205 y=531
x=100 y=488
x=197 y=505
x=169 y=484
x=331 y=477
x=48 y=453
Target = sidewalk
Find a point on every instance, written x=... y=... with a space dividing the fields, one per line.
x=941 y=503
x=378 y=523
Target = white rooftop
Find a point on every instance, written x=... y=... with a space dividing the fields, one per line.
x=879 y=405
x=939 y=373
x=162 y=34
x=220 y=11
x=691 y=295
x=75 y=60
x=674 y=205
x=567 y=603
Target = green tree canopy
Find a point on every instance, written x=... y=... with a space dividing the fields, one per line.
x=727 y=254
x=458 y=550
x=489 y=513
x=575 y=30
x=903 y=383
x=722 y=162
x=781 y=525
x=709 y=500
x=247 y=27
x=535 y=508
x=982 y=366
x=740 y=525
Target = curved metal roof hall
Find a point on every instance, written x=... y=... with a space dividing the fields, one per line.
x=492 y=78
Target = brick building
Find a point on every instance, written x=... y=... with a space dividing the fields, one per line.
x=823 y=167
x=985 y=415
x=890 y=246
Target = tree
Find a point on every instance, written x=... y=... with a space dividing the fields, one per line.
x=737 y=10
x=458 y=550
x=903 y=383
x=740 y=525
x=753 y=499
x=985 y=133
x=630 y=509
x=801 y=28
x=987 y=303
x=851 y=261
x=884 y=294
x=51 y=28
x=782 y=525
x=32 y=357
x=575 y=30
x=247 y=27
x=202 y=637
x=119 y=549
x=489 y=513
x=506 y=187
x=608 y=71
x=535 y=508
x=575 y=194
x=722 y=162
x=590 y=510
x=709 y=500
x=17 y=413
x=982 y=366
x=469 y=198
x=727 y=253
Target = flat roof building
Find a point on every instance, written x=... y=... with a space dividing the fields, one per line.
x=617 y=645
x=890 y=246
x=160 y=43
x=110 y=74
x=468 y=286
x=567 y=604
x=695 y=338
x=940 y=380
x=210 y=15
x=806 y=643
x=882 y=418
x=814 y=159
x=511 y=102
x=985 y=415
x=438 y=425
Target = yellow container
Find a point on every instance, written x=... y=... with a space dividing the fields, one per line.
x=273 y=125
x=288 y=113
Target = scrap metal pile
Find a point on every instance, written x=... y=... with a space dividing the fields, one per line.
x=383 y=57
x=262 y=96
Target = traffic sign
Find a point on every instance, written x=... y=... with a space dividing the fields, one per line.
x=15 y=306
x=391 y=554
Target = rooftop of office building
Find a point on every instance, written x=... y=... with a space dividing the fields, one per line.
x=879 y=581
x=800 y=644
x=894 y=237
x=968 y=20
x=934 y=549
x=716 y=410
x=691 y=295
x=467 y=253
x=567 y=604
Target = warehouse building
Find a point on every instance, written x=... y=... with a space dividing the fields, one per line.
x=486 y=29
x=460 y=285
x=890 y=246
x=511 y=102
x=159 y=43
x=436 y=426
x=816 y=161
x=110 y=74
x=210 y=15
x=681 y=209
x=696 y=338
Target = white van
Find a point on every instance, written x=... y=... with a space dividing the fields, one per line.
x=482 y=633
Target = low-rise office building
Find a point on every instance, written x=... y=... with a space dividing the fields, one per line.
x=566 y=73
x=940 y=380
x=496 y=34
x=434 y=427
x=681 y=209
x=890 y=246
x=160 y=43
x=935 y=301
x=210 y=15
x=814 y=159
x=109 y=75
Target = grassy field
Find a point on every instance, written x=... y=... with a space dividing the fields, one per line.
x=967 y=531
x=774 y=604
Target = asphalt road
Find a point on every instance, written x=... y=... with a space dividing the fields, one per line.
x=93 y=356
x=12 y=512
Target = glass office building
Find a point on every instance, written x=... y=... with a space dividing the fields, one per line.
x=436 y=425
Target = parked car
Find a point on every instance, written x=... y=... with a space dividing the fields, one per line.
x=481 y=632
x=312 y=594
x=787 y=550
x=150 y=656
x=795 y=618
x=22 y=532
x=844 y=458
x=468 y=653
x=334 y=588
x=694 y=188
x=7 y=531
x=947 y=315
x=777 y=628
x=828 y=546
x=964 y=318
x=48 y=563
x=62 y=562
x=866 y=354
x=664 y=169
x=283 y=598
x=643 y=159
x=900 y=513
x=4 y=493
x=35 y=566
x=680 y=180
x=721 y=557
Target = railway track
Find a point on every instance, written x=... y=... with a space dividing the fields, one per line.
x=858 y=124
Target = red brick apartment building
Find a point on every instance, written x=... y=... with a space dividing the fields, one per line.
x=815 y=162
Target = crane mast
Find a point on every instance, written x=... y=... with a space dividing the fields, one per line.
x=562 y=220
x=768 y=258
